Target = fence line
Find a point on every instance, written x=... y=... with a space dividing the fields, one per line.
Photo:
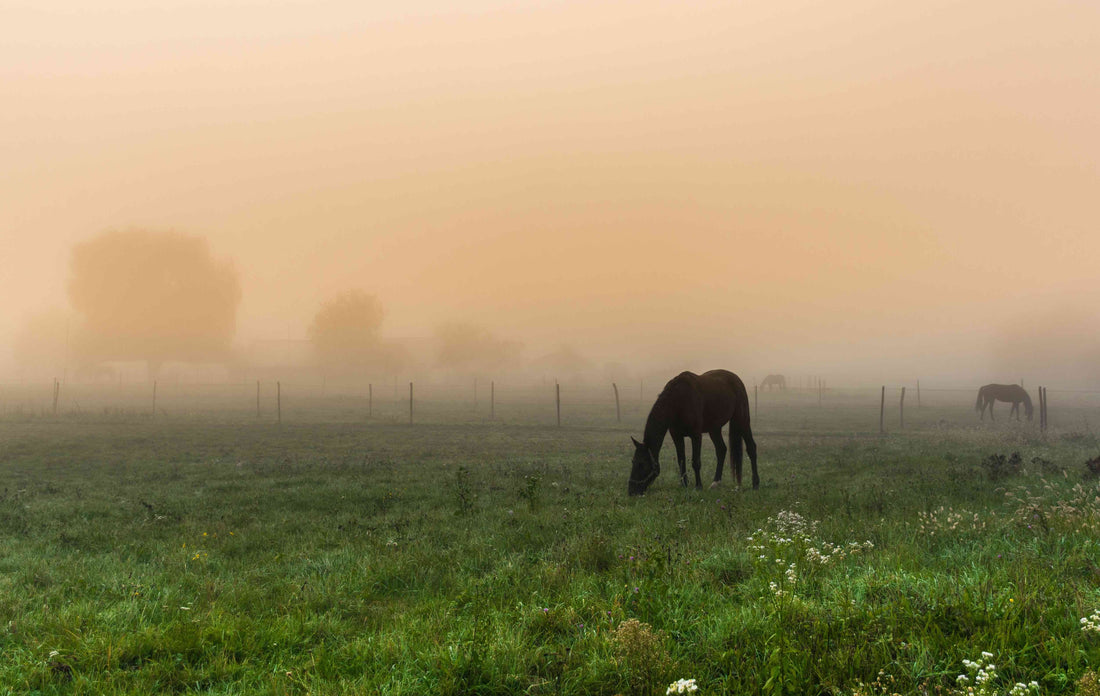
x=445 y=400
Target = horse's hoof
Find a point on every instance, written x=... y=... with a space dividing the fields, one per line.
x=715 y=484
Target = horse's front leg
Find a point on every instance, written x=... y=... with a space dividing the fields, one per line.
x=1016 y=410
x=696 y=458
x=681 y=458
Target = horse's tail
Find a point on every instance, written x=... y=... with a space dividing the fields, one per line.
x=978 y=403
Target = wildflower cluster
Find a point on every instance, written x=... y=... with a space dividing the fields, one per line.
x=830 y=552
x=946 y=521
x=980 y=677
x=682 y=686
x=787 y=539
x=1091 y=624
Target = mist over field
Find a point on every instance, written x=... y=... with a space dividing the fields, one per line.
x=866 y=192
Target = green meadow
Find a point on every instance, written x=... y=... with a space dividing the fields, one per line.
x=211 y=551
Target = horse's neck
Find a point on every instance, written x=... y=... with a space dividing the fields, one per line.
x=656 y=426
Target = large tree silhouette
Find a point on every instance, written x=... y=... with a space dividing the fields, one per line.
x=153 y=296
x=347 y=335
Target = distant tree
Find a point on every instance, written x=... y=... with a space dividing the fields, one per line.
x=41 y=342
x=471 y=348
x=153 y=296
x=565 y=360
x=347 y=334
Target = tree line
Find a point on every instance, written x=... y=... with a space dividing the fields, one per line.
x=162 y=296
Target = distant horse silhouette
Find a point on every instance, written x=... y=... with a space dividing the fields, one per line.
x=689 y=406
x=1012 y=393
x=778 y=381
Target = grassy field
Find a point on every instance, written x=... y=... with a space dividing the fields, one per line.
x=209 y=552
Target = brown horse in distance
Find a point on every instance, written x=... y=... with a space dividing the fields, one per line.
x=777 y=381
x=689 y=406
x=1011 y=393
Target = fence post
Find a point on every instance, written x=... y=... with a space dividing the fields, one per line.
x=1043 y=408
x=557 y=400
x=1042 y=415
x=901 y=423
x=279 y=401
x=882 y=411
x=618 y=414
x=410 y=403
x=492 y=399
x=918 y=393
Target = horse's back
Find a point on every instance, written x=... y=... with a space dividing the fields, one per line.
x=726 y=397
x=1003 y=392
x=724 y=379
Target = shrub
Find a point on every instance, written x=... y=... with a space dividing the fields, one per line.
x=641 y=654
x=998 y=466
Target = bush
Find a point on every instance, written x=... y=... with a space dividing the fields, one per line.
x=998 y=466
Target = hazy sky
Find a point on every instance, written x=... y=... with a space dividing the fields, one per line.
x=761 y=185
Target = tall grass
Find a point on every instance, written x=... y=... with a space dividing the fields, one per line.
x=184 y=555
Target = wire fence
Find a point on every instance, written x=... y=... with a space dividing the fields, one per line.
x=513 y=402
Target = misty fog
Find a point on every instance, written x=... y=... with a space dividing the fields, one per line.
x=868 y=192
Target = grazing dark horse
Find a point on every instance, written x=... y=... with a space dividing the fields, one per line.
x=1012 y=393
x=689 y=406
x=778 y=381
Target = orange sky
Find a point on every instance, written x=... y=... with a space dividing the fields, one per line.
x=845 y=186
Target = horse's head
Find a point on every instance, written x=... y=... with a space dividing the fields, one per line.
x=1028 y=408
x=643 y=469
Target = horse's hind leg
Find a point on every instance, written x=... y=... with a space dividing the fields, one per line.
x=750 y=445
x=720 y=451
x=696 y=458
x=681 y=458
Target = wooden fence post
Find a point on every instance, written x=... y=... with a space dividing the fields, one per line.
x=410 y=403
x=882 y=412
x=1042 y=415
x=901 y=423
x=279 y=401
x=557 y=400
x=618 y=414
x=1043 y=408
x=918 y=393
